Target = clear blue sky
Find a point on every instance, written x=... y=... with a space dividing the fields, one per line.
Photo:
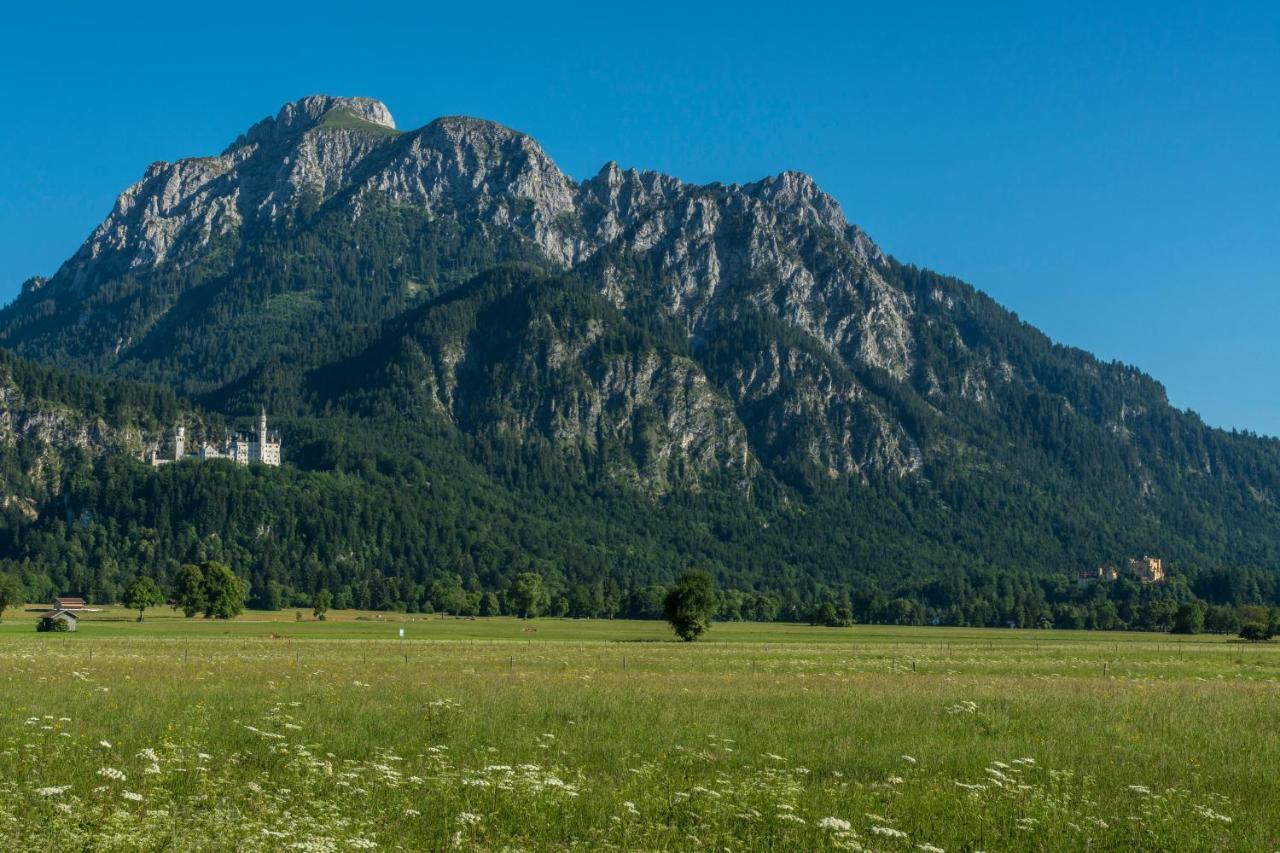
x=1110 y=171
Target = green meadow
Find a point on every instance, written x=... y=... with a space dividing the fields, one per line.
x=269 y=733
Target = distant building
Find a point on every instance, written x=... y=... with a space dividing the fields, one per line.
x=1102 y=574
x=1147 y=569
x=69 y=603
x=259 y=447
x=47 y=620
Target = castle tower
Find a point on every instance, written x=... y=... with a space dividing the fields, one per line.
x=179 y=443
x=262 y=428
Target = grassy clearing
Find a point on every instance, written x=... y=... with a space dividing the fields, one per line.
x=344 y=120
x=477 y=735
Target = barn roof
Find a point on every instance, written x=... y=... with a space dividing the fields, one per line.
x=53 y=614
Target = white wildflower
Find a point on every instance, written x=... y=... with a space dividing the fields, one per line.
x=888 y=832
x=1206 y=812
x=132 y=796
x=834 y=823
x=468 y=819
x=53 y=791
x=106 y=744
x=112 y=773
x=907 y=758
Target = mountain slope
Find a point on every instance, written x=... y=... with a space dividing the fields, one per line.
x=828 y=413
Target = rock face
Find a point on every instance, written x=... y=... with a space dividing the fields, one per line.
x=179 y=208
x=46 y=438
x=707 y=261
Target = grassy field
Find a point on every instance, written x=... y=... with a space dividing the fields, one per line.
x=266 y=733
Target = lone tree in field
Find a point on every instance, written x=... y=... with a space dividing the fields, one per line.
x=527 y=595
x=690 y=603
x=224 y=591
x=141 y=594
x=320 y=606
x=11 y=592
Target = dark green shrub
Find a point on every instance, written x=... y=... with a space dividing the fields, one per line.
x=1255 y=632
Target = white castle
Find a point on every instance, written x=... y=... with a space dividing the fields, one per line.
x=260 y=447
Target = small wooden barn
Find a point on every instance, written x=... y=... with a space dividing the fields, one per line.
x=50 y=621
x=69 y=603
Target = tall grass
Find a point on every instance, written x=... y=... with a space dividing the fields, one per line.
x=115 y=738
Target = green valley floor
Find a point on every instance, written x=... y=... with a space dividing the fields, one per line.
x=270 y=733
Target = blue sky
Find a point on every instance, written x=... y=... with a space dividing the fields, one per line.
x=1110 y=171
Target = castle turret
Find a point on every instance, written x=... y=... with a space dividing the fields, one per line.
x=262 y=428
x=179 y=443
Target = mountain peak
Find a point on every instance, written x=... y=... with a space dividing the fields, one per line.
x=798 y=191
x=297 y=117
x=319 y=148
x=478 y=134
x=473 y=124
x=316 y=107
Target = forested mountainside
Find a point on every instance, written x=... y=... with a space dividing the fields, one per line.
x=481 y=366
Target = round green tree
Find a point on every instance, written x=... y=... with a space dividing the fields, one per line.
x=224 y=591
x=1255 y=632
x=690 y=603
x=527 y=595
x=320 y=606
x=1189 y=619
x=141 y=594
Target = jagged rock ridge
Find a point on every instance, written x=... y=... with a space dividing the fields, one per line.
x=712 y=252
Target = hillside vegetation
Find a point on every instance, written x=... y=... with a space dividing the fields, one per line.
x=482 y=367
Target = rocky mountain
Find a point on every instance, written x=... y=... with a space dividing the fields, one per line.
x=743 y=343
x=166 y=275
